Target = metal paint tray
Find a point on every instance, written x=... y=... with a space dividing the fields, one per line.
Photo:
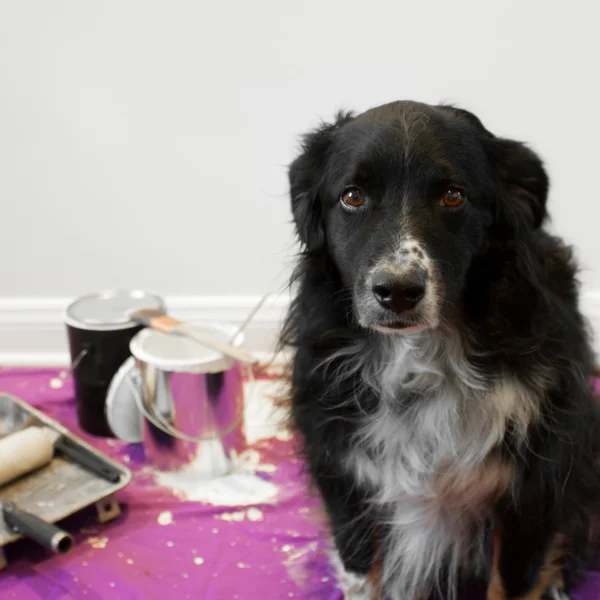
x=59 y=489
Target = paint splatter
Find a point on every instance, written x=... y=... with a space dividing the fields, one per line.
x=232 y=517
x=254 y=514
x=284 y=435
x=98 y=542
x=165 y=518
x=198 y=560
x=298 y=563
x=266 y=468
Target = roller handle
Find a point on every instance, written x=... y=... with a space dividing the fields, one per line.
x=47 y=535
x=88 y=460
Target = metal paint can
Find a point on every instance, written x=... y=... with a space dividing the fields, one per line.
x=99 y=329
x=192 y=401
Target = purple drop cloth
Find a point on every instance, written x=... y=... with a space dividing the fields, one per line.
x=171 y=542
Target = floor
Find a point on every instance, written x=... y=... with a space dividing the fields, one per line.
x=255 y=533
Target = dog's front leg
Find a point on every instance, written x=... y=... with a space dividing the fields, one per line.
x=526 y=569
x=357 y=586
x=354 y=535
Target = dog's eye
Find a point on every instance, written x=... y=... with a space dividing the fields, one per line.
x=352 y=197
x=453 y=197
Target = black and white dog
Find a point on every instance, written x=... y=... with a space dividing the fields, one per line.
x=441 y=370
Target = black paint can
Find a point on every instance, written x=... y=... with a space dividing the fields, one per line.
x=99 y=328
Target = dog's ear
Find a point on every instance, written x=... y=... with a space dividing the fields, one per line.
x=522 y=186
x=305 y=177
x=520 y=177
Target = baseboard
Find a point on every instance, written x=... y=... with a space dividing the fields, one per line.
x=590 y=306
x=32 y=332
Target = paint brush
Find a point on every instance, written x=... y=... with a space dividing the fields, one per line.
x=249 y=318
x=157 y=320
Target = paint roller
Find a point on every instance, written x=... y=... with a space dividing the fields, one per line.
x=33 y=447
x=29 y=449
x=24 y=451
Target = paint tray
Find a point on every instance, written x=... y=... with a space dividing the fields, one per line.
x=60 y=488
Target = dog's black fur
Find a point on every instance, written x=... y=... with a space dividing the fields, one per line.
x=507 y=289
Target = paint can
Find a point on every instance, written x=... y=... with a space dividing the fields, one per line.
x=99 y=330
x=189 y=399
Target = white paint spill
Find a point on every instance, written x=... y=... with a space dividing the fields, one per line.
x=238 y=489
x=263 y=419
x=198 y=560
x=213 y=479
x=248 y=461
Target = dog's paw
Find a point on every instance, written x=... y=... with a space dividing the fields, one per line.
x=353 y=585
x=555 y=594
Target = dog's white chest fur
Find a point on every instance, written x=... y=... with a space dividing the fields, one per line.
x=427 y=456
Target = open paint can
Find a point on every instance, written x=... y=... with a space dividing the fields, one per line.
x=183 y=400
x=99 y=328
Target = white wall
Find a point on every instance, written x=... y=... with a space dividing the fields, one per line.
x=144 y=143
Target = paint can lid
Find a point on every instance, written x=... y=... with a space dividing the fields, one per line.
x=110 y=310
x=171 y=352
x=122 y=412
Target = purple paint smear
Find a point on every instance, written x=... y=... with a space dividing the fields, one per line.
x=270 y=551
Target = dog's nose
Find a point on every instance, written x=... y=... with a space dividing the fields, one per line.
x=399 y=294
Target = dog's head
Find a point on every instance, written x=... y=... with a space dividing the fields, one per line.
x=403 y=198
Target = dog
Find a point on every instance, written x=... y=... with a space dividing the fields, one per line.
x=441 y=366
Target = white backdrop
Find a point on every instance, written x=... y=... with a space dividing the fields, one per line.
x=145 y=143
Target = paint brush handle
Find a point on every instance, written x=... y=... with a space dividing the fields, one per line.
x=169 y=325
x=215 y=343
x=249 y=317
x=164 y=323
